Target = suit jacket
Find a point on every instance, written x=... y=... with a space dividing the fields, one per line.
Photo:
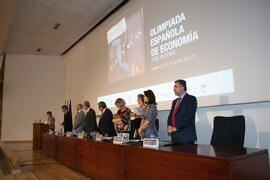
x=67 y=122
x=79 y=122
x=90 y=121
x=105 y=124
x=184 y=120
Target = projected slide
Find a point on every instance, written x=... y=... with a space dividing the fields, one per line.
x=209 y=84
x=126 y=48
x=127 y=57
x=218 y=47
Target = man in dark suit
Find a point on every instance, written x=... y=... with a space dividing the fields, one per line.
x=105 y=125
x=90 y=119
x=67 y=119
x=181 y=121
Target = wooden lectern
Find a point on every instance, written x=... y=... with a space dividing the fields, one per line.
x=38 y=129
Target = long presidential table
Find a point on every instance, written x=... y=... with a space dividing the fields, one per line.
x=100 y=160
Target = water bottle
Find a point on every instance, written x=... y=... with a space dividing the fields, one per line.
x=61 y=133
x=120 y=134
x=152 y=136
x=83 y=134
x=75 y=133
x=94 y=135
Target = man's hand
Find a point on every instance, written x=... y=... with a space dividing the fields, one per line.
x=171 y=129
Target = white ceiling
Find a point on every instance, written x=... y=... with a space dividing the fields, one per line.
x=33 y=22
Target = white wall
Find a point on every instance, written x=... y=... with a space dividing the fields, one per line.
x=33 y=85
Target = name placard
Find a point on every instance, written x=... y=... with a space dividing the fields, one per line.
x=151 y=143
x=99 y=137
x=118 y=140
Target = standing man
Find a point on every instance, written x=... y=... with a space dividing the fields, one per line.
x=67 y=119
x=181 y=121
x=79 y=122
x=105 y=125
x=90 y=119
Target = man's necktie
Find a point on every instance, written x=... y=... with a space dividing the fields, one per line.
x=174 y=112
